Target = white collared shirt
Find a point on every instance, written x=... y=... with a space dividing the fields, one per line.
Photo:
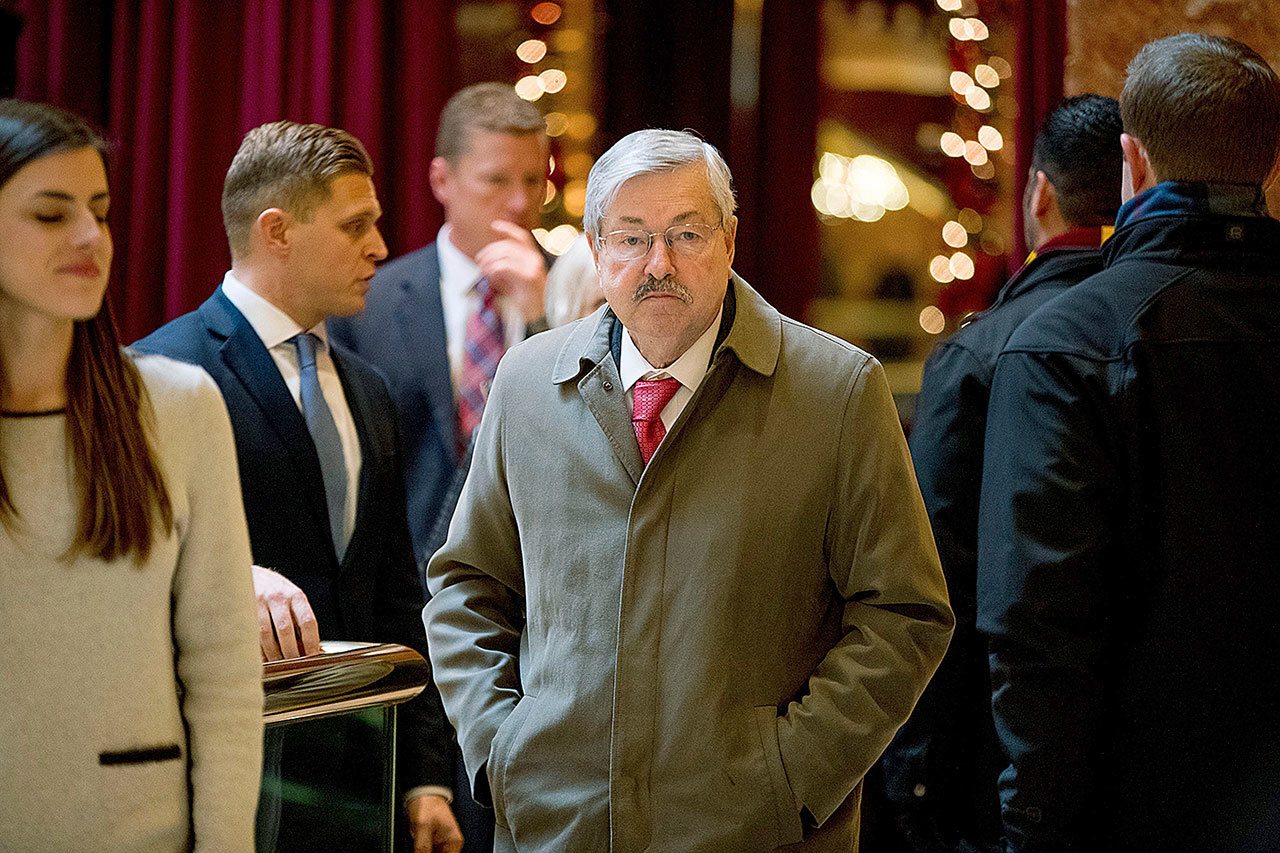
x=689 y=368
x=458 y=277
x=277 y=330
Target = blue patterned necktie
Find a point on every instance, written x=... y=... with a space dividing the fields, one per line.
x=324 y=433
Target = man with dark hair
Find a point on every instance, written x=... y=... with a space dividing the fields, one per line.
x=319 y=454
x=439 y=318
x=1128 y=527
x=940 y=771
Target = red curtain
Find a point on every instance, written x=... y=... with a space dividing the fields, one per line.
x=177 y=83
x=1041 y=63
x=779 y=244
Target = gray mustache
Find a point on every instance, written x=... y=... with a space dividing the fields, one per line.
x=653 y=285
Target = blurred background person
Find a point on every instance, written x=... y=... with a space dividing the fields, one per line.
x=573 y=285
x=131 y=716
x=438 y=319
x=939 y=774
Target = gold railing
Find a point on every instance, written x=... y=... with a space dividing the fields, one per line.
x=346 y=677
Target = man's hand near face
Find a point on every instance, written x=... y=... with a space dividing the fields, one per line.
x=434 y=828
x=515 y=267
x=287 y=627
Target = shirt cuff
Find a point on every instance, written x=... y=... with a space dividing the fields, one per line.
x=428 y=790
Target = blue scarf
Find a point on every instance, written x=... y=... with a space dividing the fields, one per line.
x=1184 y=198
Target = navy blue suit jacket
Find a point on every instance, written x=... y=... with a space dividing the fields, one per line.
x=402 y=332
x=374 y=594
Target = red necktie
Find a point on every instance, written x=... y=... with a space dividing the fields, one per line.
x=482 y=349
x=651 y=397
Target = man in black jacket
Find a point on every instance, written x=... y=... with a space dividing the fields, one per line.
x=1130 y=517
x=940 y=771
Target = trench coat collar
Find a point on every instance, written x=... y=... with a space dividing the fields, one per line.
x=755 y=337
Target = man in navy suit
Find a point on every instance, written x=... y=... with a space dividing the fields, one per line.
x=483 y=274
x=320 y=457
x=489 y=174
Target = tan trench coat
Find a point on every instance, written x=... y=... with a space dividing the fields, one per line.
x=704 y=654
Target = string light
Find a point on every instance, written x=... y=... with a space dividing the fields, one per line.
x=974 y=154
x=961 y=83
x=954 y=235
x=557 y=123
x=529 y=88
x=545 y=13
x=531 y=51
x=961 y=266
x=986 y=76
x=932 y=320
x=973 y=81
x=553 y=80
x=970 y=219
x=940 y=269
x=978 y=98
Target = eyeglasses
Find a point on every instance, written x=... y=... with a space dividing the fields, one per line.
x=688 y=240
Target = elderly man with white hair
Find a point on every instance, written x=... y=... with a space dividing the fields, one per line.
x=690 y=590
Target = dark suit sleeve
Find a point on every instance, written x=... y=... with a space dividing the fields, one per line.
x=426 y=742
x=448 y=506
x=1047 y=510
x=935 y=762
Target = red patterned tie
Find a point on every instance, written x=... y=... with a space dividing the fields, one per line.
x=482 y=348
x=651 y=397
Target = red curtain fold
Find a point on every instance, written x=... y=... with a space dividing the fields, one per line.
x=1038 y=77
x=177 y=83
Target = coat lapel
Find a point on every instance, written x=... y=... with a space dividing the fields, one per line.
x=586 y=354
x=245 y=356
x=422 y=328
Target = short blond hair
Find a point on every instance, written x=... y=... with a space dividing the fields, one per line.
x=286 y=165
x=494 y=107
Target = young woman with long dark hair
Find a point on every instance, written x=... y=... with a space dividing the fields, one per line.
x=130 y=683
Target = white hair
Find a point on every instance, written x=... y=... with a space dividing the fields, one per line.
x=645 y=152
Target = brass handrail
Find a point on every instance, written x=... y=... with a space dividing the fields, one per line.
x=345 y=677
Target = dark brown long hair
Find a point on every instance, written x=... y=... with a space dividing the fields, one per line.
x=110 y=421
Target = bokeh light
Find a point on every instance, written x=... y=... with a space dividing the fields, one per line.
x=531 y=51
x=545 y=13
x=961 y=266
x=553 y=80
x=932 y=320
x=954 y=235
x=529 y=88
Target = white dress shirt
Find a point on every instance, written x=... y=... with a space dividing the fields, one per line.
x=277 y=330
x=689 y=368
x=458 y=277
